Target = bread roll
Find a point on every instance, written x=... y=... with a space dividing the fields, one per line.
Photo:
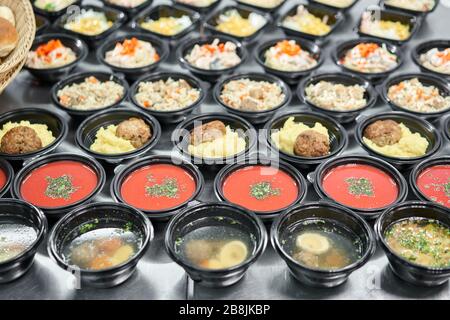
x=8 y=37
x=6 y=13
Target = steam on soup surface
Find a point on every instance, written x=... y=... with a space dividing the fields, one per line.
x=422 y=241
x=216 y=247
x=93 y=248
x=16 y=236
x=322 y=244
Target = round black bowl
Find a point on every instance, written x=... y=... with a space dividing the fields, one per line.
x=446 y=128
x=32 y=216
x=338 y=137
x=290 y=77
x=345 y=9
x=414 y=123
x=115 y=16
x=271 y=10
x=317 y=177
x=212 y=21
x=55 y=213
x=425 y=47
x=52 y=15
x=42 y=24
x=161 y=11
x=326 y=211
x=85 y=135
x=181 y=137
x=122 y=173
x=133 y=73
x=79 y=78
x=415 y=12
x=215 y=214
x=111 y=215
x=201 y=10
x=9 y=173
x=338 y=78
x=335 y=18
x=265 y=216
x=55 y=123
x=417 y=171
x=255 y=117
x=130 y=12
x=169 y=116
x=55 y=74
x=427 y=80
x=404 y=269
x=340 y=51
x=208 y=75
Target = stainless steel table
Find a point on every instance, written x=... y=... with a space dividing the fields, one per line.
x=157 y=276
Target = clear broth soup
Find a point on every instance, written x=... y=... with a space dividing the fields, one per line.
x=16 y=236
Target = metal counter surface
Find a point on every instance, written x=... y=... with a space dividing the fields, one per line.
x=157 y=276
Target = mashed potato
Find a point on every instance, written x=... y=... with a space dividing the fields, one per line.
x=42 y=131
x=410 y=145
x=228 y=145
x=285 y=138
x=107 y=142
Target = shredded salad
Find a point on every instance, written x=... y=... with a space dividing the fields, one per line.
x=52 y=54
x=336 y=96
x=394 y=30
x=214 y=56
x=231 y=22
x=306 y=22
x=337 y=3
x=416 y=5
x=436 y=60
x=287 y=55
x=168 y=26
x=369 y=58
x=132 y=53
x=89 y=22
x=263 y=3
x=53 y=5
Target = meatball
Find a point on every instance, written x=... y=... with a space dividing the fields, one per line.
x=208 y=132
x=135 y=130
x=311 y=143
x=383 y=132
x=20 y=140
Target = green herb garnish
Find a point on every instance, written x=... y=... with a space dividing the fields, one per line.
x=447 y=188
x=263 y=190
x=88 y=226
x=360 y=187
x=60 y=188
x=169 y=188
x=128 y=226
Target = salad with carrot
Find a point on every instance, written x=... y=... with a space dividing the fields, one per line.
x=214 y=56
x=52 y=54
x=132 y=53
x=287 y=55
x=369 y=58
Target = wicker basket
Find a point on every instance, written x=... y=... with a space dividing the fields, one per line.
x=7 y=77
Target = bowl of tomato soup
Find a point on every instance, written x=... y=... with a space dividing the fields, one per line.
x=430 y=180
x=157 y=185
x=264 y=188
x=6 y=176
x=362 y=183
x=58 y=183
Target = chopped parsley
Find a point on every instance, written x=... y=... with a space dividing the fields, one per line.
x=168 y=188
x=263 y=190
x=360 y=187
x=60 y=188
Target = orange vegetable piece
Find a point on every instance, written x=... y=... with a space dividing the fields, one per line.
x=109 y=246
x=288 y=48
x=101 y=262
x=129 y=46
x=366 y=49
x=45 y=49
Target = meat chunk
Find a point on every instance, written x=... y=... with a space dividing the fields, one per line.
x=20 y=140
x=135 y=130
x=311 y=143
x=208 y=132
x=383 y=132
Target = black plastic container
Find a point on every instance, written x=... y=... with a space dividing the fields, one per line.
x=52 y=15
x=115 y=16
x=423 y=48
x=337 y=133
x=86 y=132
x=344 y=9
x=16 y=209
x=335 y=18
x=446 y=128
x=404 y=269
x=79 y=78
x=427 y=80
x=111 y=215
x=166 y=11
x=130 y=12
x=201 y=10
x=55 y=123
x=8 y=171
x=211 y=22
x=54 y=213
x=55 y=74
x=133 y=73
x=215 y=214
x=290 y=77
x=254 y=117
x=414 y=123
x=170 y=116
x=122 y=172
x=316 y=178
x=339 y=52
x=208 y=75
x=42 y=24
x=338 y=78
x=415 y=12
x=412 y=21
x=419 y=169
x=181 y=138
x=329 y=212
x=271 y=10
x=265 y=216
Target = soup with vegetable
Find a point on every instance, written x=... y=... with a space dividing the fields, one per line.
x=434 y=183
x=16 y=236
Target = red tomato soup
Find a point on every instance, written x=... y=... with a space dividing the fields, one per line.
x=158 y=187
x=434 y=183
x=58 y=184
x=260 y=188
x=360 y=186
x=3 y=178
